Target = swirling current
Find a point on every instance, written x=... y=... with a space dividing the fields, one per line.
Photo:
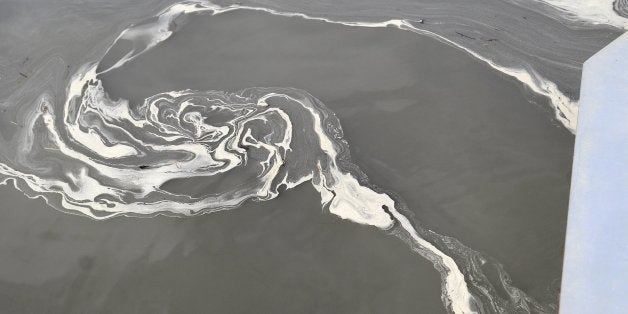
x=92 y=155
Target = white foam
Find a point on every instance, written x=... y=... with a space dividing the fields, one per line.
x=596 y=12
x=173 y=124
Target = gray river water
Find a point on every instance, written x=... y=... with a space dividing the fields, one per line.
x=268 y=157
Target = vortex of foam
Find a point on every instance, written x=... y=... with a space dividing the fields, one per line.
x=99 y=157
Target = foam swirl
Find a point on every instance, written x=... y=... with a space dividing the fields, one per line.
x=100 y=157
